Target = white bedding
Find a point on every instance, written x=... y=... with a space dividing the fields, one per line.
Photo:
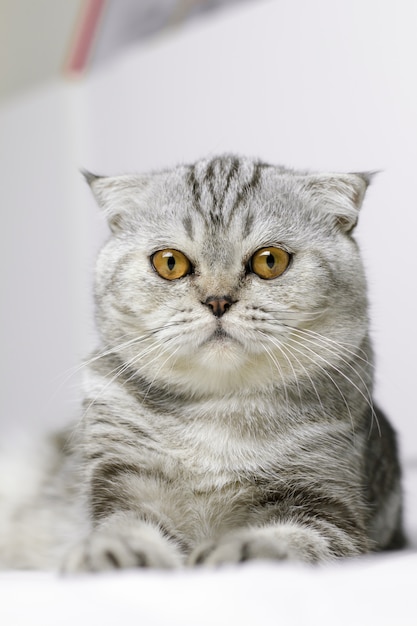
x=379 y=591
x=376 y=590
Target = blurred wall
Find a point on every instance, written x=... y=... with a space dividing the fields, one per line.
x=34 y=41
x=313 y=84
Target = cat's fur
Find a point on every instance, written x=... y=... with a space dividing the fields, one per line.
x=208 y=439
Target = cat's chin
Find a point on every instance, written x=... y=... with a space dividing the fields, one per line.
x=221 y=365
x=221 y=352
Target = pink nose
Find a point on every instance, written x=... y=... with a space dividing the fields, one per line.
x=219 y=306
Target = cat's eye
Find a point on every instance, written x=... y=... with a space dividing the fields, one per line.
x=269 y=263
x=171 y=264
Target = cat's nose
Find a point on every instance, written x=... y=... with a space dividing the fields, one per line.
x=219 y=306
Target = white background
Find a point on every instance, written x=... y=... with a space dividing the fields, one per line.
x=321 y=85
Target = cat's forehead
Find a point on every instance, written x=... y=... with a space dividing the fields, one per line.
x=219 y=186
x=229 y=198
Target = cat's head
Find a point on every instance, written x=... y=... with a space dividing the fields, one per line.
x=230 y=273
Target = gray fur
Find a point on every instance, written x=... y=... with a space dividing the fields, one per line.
x=247 y=434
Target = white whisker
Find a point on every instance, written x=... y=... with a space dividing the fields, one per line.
x=279 y=369
x=171 y=355
x=123 y=367
x=329 y=376
x=279 y=347
x=283 y=347
x=341 y=346
x=367 y=397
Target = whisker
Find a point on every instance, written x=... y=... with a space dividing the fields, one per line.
x=278 y=366
x=347 y=347
x=342 y=346
x=305 y=316
x=328 y=375
x=109 y=349
x=341 y=358
x=73 y=371
x=277 y=345
x=367 y=397
x=171 y=355
x=123 y=367
x=283 y=348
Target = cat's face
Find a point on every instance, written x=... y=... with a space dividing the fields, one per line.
x=223 y=275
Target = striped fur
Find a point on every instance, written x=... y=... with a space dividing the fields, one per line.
x=213 y=438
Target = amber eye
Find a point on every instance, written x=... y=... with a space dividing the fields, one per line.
x=270 y=262
x=171 y=264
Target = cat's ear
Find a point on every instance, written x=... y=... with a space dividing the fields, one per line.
x=339 y=196
x=118 y=196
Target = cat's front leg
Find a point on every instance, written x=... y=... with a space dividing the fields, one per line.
x=278 y=542
x=122 y=542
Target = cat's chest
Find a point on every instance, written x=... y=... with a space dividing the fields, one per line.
x=219 y=442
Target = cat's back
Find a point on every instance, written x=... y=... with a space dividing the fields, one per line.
x=39 y=512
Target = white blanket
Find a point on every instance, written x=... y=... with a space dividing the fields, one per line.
x=376 y=590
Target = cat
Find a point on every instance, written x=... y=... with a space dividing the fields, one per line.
x=228 y=410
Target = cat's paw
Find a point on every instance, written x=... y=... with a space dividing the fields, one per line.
x=279 y=543
x=112 y=549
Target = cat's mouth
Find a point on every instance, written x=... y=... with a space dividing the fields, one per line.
x=219 y=335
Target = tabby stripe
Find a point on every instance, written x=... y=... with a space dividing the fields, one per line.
x=175 y=537
x=107 y=493
x=120 y=422
x=196 y=192
x=188 y=225
x=122 y=263
x=233 y=172
x=229 y=175
x=307 y=506
x=249 y=186
x=209 y=179
x=343 y=542
x=106 y=488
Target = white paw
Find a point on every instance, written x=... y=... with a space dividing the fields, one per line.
x=110 y=549
x=279 y=543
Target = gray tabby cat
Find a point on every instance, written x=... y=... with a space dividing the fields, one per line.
x=228 y=413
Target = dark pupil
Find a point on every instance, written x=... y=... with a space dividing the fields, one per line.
x=171 y=263
x=270 y=261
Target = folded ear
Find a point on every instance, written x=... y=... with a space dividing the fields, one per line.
x=339 y=196
x=118 y=196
